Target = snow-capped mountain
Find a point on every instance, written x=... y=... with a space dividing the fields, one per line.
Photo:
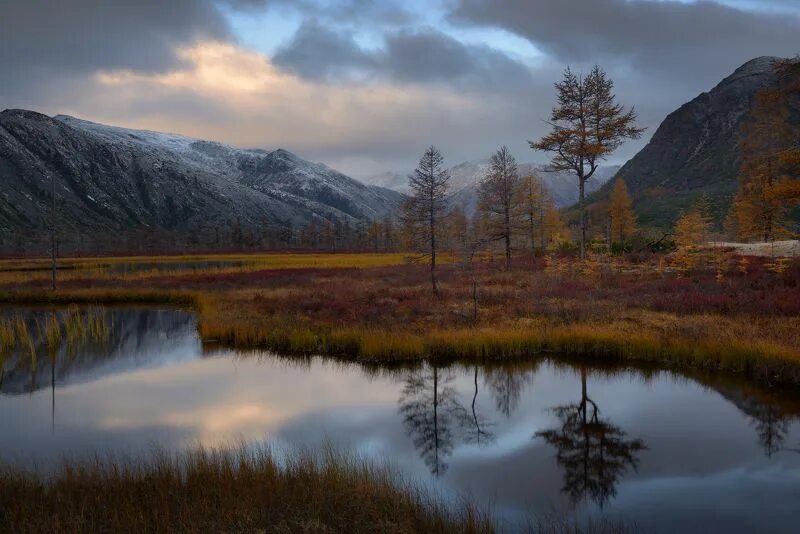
x=110 y=178
x=464 y=179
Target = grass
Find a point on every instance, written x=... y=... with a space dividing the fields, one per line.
x=227 y=491
x=720 y=313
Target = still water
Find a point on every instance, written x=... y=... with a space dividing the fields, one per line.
x=657 y=450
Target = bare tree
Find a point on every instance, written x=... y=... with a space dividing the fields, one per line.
x=587 y=126
x=498 y=198
x=425 y=209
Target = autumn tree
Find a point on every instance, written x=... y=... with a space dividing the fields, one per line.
x=425 y=209
x=691 y=228
x=622 y=219
x=588 y=124
x=768 y=184
x=498 y=199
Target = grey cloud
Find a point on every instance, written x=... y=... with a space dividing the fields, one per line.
x=45 y=42
x=423 y=56
x=318 y=52
x=668 y=38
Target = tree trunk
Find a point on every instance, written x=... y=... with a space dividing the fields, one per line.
x=582 y=201
x=433 y=248
x=508 y=237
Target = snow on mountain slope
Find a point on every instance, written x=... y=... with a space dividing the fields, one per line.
x=110 y=178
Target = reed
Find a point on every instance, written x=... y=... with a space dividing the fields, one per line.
x=219 y=490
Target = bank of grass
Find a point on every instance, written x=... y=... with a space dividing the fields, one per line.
x=227 y=491
x=739 y=317
x=142 y=268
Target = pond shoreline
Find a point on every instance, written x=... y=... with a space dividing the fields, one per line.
x=593 y=342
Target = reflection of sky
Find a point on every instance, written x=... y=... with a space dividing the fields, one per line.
x=703 y=457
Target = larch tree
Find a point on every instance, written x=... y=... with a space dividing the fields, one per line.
x=759 y=206
x=768 y=177
x=533 y=200
x=588 y=124
x=691 y=229
x=426 y=208
x=621 y=215
x=498 y=199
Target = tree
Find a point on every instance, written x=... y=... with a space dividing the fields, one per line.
x=691 y=228
x=425 y=209
x=622 y=218
x=533 y=201
x=766 y=186
x=587 y=126
x=498 y=199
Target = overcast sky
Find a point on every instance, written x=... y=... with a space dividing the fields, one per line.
x=366 y=85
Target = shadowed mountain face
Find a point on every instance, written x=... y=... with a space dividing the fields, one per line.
x=696 y=150
x=109 y=178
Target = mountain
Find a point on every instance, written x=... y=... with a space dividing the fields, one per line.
x=464 y=179
x=117 y=179
x=695 y=150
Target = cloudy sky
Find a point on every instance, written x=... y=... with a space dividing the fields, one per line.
x=366 y=85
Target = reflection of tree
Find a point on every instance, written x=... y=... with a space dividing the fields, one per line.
x=507 y=384
x=475 y=426
x=772 y=426
x=592 y=452
x=428 y=406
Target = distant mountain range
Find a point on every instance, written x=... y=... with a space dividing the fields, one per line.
x=696 y=150
x=112 y=179
x=465 y=177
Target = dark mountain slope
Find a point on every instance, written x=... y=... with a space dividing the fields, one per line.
x=695 y=150
x=117 y=180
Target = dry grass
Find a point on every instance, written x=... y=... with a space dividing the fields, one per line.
x=227 y=491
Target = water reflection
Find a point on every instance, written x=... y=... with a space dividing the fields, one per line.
x=610 y=441
x=592 y=452
x=429 y=408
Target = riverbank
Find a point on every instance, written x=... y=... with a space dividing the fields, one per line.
x=722 y=312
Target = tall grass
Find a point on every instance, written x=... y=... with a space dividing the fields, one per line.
x=227 y=491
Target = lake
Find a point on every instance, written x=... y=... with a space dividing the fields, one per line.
x=655 y=449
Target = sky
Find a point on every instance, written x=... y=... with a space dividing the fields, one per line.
x=366 y=85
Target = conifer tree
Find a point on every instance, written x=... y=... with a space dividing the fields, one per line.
x=425 y=209
x=588 y=124
x=622 y=218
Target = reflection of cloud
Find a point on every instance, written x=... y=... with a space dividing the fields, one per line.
x=213 y=402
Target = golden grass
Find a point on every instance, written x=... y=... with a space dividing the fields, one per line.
x=104 y=268
x=227 y=491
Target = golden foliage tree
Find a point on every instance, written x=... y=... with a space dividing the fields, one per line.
x=622 y=218
x=768 y=184
x=691 y=229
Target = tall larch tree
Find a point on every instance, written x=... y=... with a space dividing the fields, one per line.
x=426 y=207
x=621 y=215
x=498 y=199
x=588 y=125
